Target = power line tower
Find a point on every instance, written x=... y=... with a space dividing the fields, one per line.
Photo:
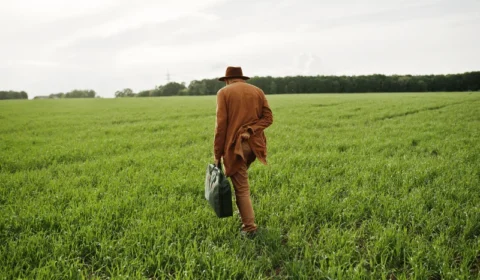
x=168 y=76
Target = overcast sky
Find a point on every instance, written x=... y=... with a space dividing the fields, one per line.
x=52 y=46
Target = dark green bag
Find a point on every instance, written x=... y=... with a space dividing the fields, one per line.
x=218 y=191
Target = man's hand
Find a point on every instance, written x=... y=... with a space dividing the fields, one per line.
x=245 y=135
x=216 y=162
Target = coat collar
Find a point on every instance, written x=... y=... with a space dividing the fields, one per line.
x=237 y=81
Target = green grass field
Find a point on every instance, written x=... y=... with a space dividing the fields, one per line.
x=364 y=186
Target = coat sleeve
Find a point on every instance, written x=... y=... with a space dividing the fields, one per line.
x=220 y=126
x=265 y=120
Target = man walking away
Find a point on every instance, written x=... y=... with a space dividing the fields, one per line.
x=242 y=115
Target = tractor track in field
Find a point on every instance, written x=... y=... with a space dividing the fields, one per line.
x=327 y=105
x=412 y=112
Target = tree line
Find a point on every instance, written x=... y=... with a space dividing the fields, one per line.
x=76 y=93
x=469 y=81
x=13 y=95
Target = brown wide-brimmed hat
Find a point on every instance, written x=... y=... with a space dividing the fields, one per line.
x=233 y=72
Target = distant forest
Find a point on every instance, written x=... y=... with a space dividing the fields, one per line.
x=88 y=93
x=325 y=84
x=469 y=81
x=13 y=95
x=76 y=93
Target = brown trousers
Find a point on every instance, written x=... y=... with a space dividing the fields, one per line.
x=242 y=190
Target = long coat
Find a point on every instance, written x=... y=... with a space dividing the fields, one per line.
x=241 y=107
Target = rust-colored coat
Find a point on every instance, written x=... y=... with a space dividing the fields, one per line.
x=241 y=107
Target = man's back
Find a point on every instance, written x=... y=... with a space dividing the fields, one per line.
x=241 y=108
x=244 y=104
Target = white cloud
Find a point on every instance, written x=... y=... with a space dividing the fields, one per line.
x=51 y=46
x=31 y=11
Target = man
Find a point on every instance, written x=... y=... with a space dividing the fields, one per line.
x=242 y=115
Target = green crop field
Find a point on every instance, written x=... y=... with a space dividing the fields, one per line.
x=359 y=186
